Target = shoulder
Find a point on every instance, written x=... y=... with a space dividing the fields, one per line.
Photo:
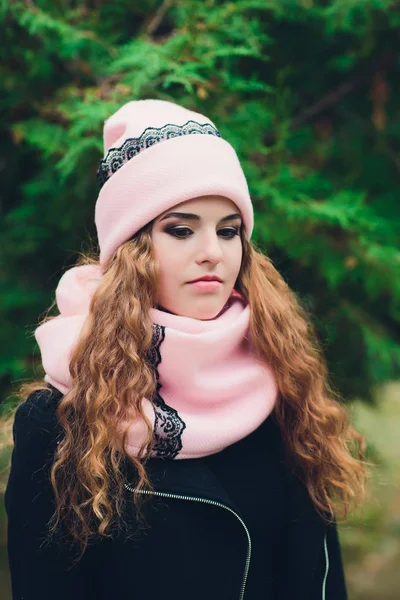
x=40 y=406
x=36 y=432
x=36 y=417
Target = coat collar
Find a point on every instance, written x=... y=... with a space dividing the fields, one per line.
x=188 y=477
x=193 y=477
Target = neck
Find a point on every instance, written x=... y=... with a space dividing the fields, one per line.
x=158 y=307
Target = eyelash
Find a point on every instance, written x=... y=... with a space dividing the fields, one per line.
x=173 y=231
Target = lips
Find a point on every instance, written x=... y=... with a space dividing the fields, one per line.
x=207 y=279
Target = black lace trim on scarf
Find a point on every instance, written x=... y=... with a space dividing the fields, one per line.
x=117 y=157
x=168 y=426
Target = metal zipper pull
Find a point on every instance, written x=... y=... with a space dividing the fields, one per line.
x=214 y=503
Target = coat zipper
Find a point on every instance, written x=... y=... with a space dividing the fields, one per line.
x=214 y=503
x=326 y=565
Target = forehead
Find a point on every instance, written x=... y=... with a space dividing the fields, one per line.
x=204 y=205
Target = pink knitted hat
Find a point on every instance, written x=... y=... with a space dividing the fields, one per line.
x=153 y=161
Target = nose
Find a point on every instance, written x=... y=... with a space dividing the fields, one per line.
x=210 y=248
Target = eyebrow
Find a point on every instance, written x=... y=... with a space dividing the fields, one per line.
x=191 y=216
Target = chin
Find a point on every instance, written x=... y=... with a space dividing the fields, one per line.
x=201 y=310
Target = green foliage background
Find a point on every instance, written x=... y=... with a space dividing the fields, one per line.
x=307 y=93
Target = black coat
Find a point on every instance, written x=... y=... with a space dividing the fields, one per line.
x=234 y=525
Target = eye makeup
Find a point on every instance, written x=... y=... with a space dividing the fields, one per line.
x=174 y=231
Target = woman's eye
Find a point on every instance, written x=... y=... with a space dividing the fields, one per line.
x=179 y=232
x=232 y=231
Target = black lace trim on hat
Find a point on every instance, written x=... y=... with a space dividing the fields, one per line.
x=168 y=426
x=117 y=157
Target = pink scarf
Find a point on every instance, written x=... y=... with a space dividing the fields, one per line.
x=211 y=389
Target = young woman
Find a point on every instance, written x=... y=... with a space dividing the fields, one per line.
x=185 y=442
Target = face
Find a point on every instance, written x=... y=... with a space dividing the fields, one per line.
x=204 y=239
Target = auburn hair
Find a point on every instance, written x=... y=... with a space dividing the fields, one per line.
x=111 y=374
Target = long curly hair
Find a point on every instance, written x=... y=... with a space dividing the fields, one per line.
x=111 y=375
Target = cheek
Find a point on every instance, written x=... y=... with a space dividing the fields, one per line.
x=163 y=252
x=236 y=260
x=169 y=261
